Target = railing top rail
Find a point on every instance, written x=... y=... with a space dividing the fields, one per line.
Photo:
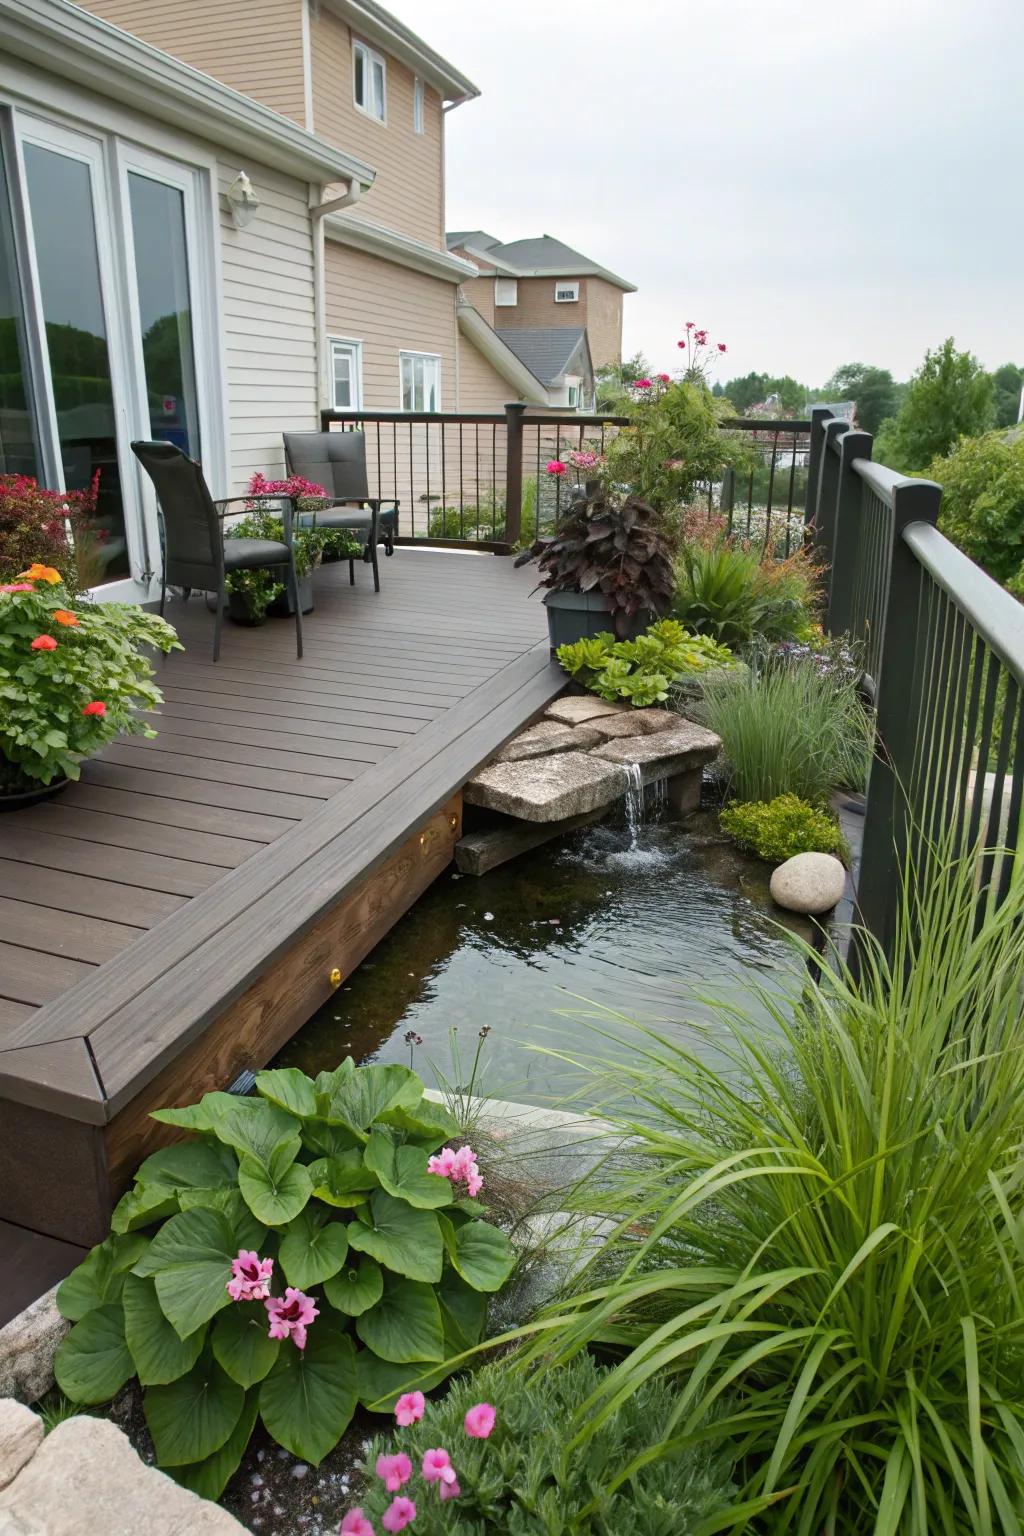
x=759 y=424
x=994 y=615
x=488 y=418
x=549 y=419
x=882 y=480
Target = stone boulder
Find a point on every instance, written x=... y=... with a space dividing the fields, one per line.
x=548 y=788
x=809 y=882
x=580 y=708
x=21 y=1435
x=633 y=722
x=28 y=1344
x=549 y=736
x=664 y=753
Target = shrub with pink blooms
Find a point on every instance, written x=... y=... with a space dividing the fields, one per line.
x=495 y=1457
x=296 y=1257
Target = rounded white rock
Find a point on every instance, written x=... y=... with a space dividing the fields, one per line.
x=809 y=882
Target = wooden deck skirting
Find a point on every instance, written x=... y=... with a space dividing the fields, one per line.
x=220 y=981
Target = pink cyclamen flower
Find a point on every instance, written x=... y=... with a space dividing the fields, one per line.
x=290 y=1316
x=355 y=1523
x=442 y=1163
x=409 y=1408
x=449 y=1490
x=437 y=1467
x=556 y=467
x=722 y=347
x=399 y=1513
x=479 y=1421
x=641 y=384
x=394 y=1471
x=17 y=586
x=250 y=1277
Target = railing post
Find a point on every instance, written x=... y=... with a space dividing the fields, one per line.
x=847 y=530
x=824 y=522
x=898 y=698
x=819 y=416
x=514 y=413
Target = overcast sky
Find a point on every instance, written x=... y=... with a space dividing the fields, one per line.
x=815 y=184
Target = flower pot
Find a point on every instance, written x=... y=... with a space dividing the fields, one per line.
x=283 y=607
x=576 y=616
x=238 y=611
x=33 y=792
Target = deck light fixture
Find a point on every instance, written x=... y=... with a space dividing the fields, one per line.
x=243 y=200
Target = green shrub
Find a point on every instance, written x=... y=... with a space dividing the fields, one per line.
x=982 y=481
x=641 y=670
x=329 y=1180
x=828 y=1229
x=790 y=727
x=522 y=1481
x=782 y=827
x=259 y=587
x=732 y=593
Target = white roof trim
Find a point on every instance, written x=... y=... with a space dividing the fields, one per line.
x=376 y=240
x=64 y=40
x=501 y=357
x=372 y=22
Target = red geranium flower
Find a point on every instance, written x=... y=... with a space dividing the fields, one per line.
x=43 y=643
x=97 y=707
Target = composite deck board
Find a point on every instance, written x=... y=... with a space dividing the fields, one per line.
x=249 y=751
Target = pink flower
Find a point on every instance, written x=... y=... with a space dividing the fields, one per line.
x=689 y=326
x=479 y=1421
x=682 y=344
x=409 y=1408
x=355 y=1523
x=394 y=1471
x=663 y=378
x=641 y=384
x=43 y=643
x=399 y=1513
x=701 y=338
x=17 y=586
x=722 y=347
x=290 y=1316
x=437 y=1466
x=461 y=1167
x=250 y=1275
x=442 y=1163
x=556 y=467
x=449 y=1490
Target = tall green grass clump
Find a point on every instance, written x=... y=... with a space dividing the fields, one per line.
x=824 y=1239
x=791 y=727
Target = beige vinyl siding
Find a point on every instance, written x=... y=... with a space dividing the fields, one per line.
x=481 y=386
x=255 y=48
x=269 y=323
x=408 y=194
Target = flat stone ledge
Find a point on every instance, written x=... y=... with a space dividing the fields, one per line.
x=634 y=722
x=577 y=708
x=546 y=737
x=551 y=788
x=664 y=754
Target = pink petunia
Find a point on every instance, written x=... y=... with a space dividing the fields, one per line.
x=449 y=1490
x=409 y=1408
x=290 y=1316
x=355 y=1523
x=399 y=1513
x=250 y=1277
x=479 y=1421
x=394 y=1471
x=437 y=1467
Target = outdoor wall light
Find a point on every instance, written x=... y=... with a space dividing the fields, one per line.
x=243 y=200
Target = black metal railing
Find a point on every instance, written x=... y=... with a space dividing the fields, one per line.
x=762 y=497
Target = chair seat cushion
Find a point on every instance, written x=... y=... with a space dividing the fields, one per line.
x=244 y=554
x=335 y=517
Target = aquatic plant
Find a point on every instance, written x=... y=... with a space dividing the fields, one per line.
x=777 y=829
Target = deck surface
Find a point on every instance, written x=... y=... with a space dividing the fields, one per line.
x=247 y=749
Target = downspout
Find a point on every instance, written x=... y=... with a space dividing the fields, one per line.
x=318 y=209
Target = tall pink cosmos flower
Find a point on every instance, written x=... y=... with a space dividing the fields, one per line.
x=355 y=1523
x=479 y=1421
x=437 y=1467
x=250 y=1277
x=399 y=1513
x=409 y=1408
x=722 y=347
x=394 y=1471
x=556 y=467
x=689 y=327
x=290 y=1316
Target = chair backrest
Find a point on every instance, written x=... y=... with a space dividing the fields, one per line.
x=194 y=554
x=335 y=460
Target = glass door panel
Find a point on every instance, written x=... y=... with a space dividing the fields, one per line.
x=19 y=453
x=161 y=279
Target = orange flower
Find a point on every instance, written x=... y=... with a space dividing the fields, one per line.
x=37 y=572
x=63 y=617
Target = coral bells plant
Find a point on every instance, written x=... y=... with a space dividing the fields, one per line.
x=291 y=1260
x=72 y=677
x=35 y=525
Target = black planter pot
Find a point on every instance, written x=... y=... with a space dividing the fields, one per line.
x=576 y=616
x=283 y=607
x=19 y=800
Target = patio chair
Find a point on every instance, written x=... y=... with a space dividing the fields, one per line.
x=196 y=553
x=337 y=461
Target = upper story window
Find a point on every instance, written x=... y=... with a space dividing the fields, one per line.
x=421 y=381
x=506 y=291
x=369 y=81
x=566 y=292
x=574 y=394
x=417 y=106
x=346 y=375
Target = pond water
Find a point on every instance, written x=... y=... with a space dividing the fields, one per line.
x=641 y=921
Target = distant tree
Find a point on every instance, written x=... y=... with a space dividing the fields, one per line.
x=756 y=388
x=872 y=389
x=949 y=397
x=1008 y=382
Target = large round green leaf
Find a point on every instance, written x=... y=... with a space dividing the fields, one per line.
x=313 y=1248
x=360 y=1097
x=309 y=1397
x=93 y=1362
x=242 y=1345
x=463 y=1311
x=256 y=1128
x=209 y=1478
x=430 y=1123
x=248 y=1232
x=289 y=1089
x=356 y=1287
x=142 y=1206
x=342 y=1180
x=100 y=1276
x=190 y=1258
x=402 y=1171
x=190 y=1165
x=399 y=1237
x=192 y=1417
x=382 y=1382
x=325 y=1140
x=158 y=1352
x=405 y=1325
x=481 y=1254
x=277 y=1192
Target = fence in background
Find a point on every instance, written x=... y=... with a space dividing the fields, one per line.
x=764 y=499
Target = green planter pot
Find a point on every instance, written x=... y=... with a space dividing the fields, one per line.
x=576 y=616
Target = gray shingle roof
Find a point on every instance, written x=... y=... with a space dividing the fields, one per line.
x=539 y=255
x=547 y=350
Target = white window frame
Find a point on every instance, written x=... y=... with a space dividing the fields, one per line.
x=573 y=394
x=505 y=285
x=422 y=358
x=355 y=352
x=419 y=106
x=562 y=296
x=370 y=58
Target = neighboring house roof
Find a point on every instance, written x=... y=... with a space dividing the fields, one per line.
x=501 y=356
x=66 y=41
x=374 y=24
x=547 y=350
x=541 y=256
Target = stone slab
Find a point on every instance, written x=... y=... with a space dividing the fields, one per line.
x=577 y=708
x=664 y=754
x=549 y=788
x=28 y=1344
x=85 y=1479
x=549 y=736
x=634 y=722
x=479 y=852
x=21 y=1434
